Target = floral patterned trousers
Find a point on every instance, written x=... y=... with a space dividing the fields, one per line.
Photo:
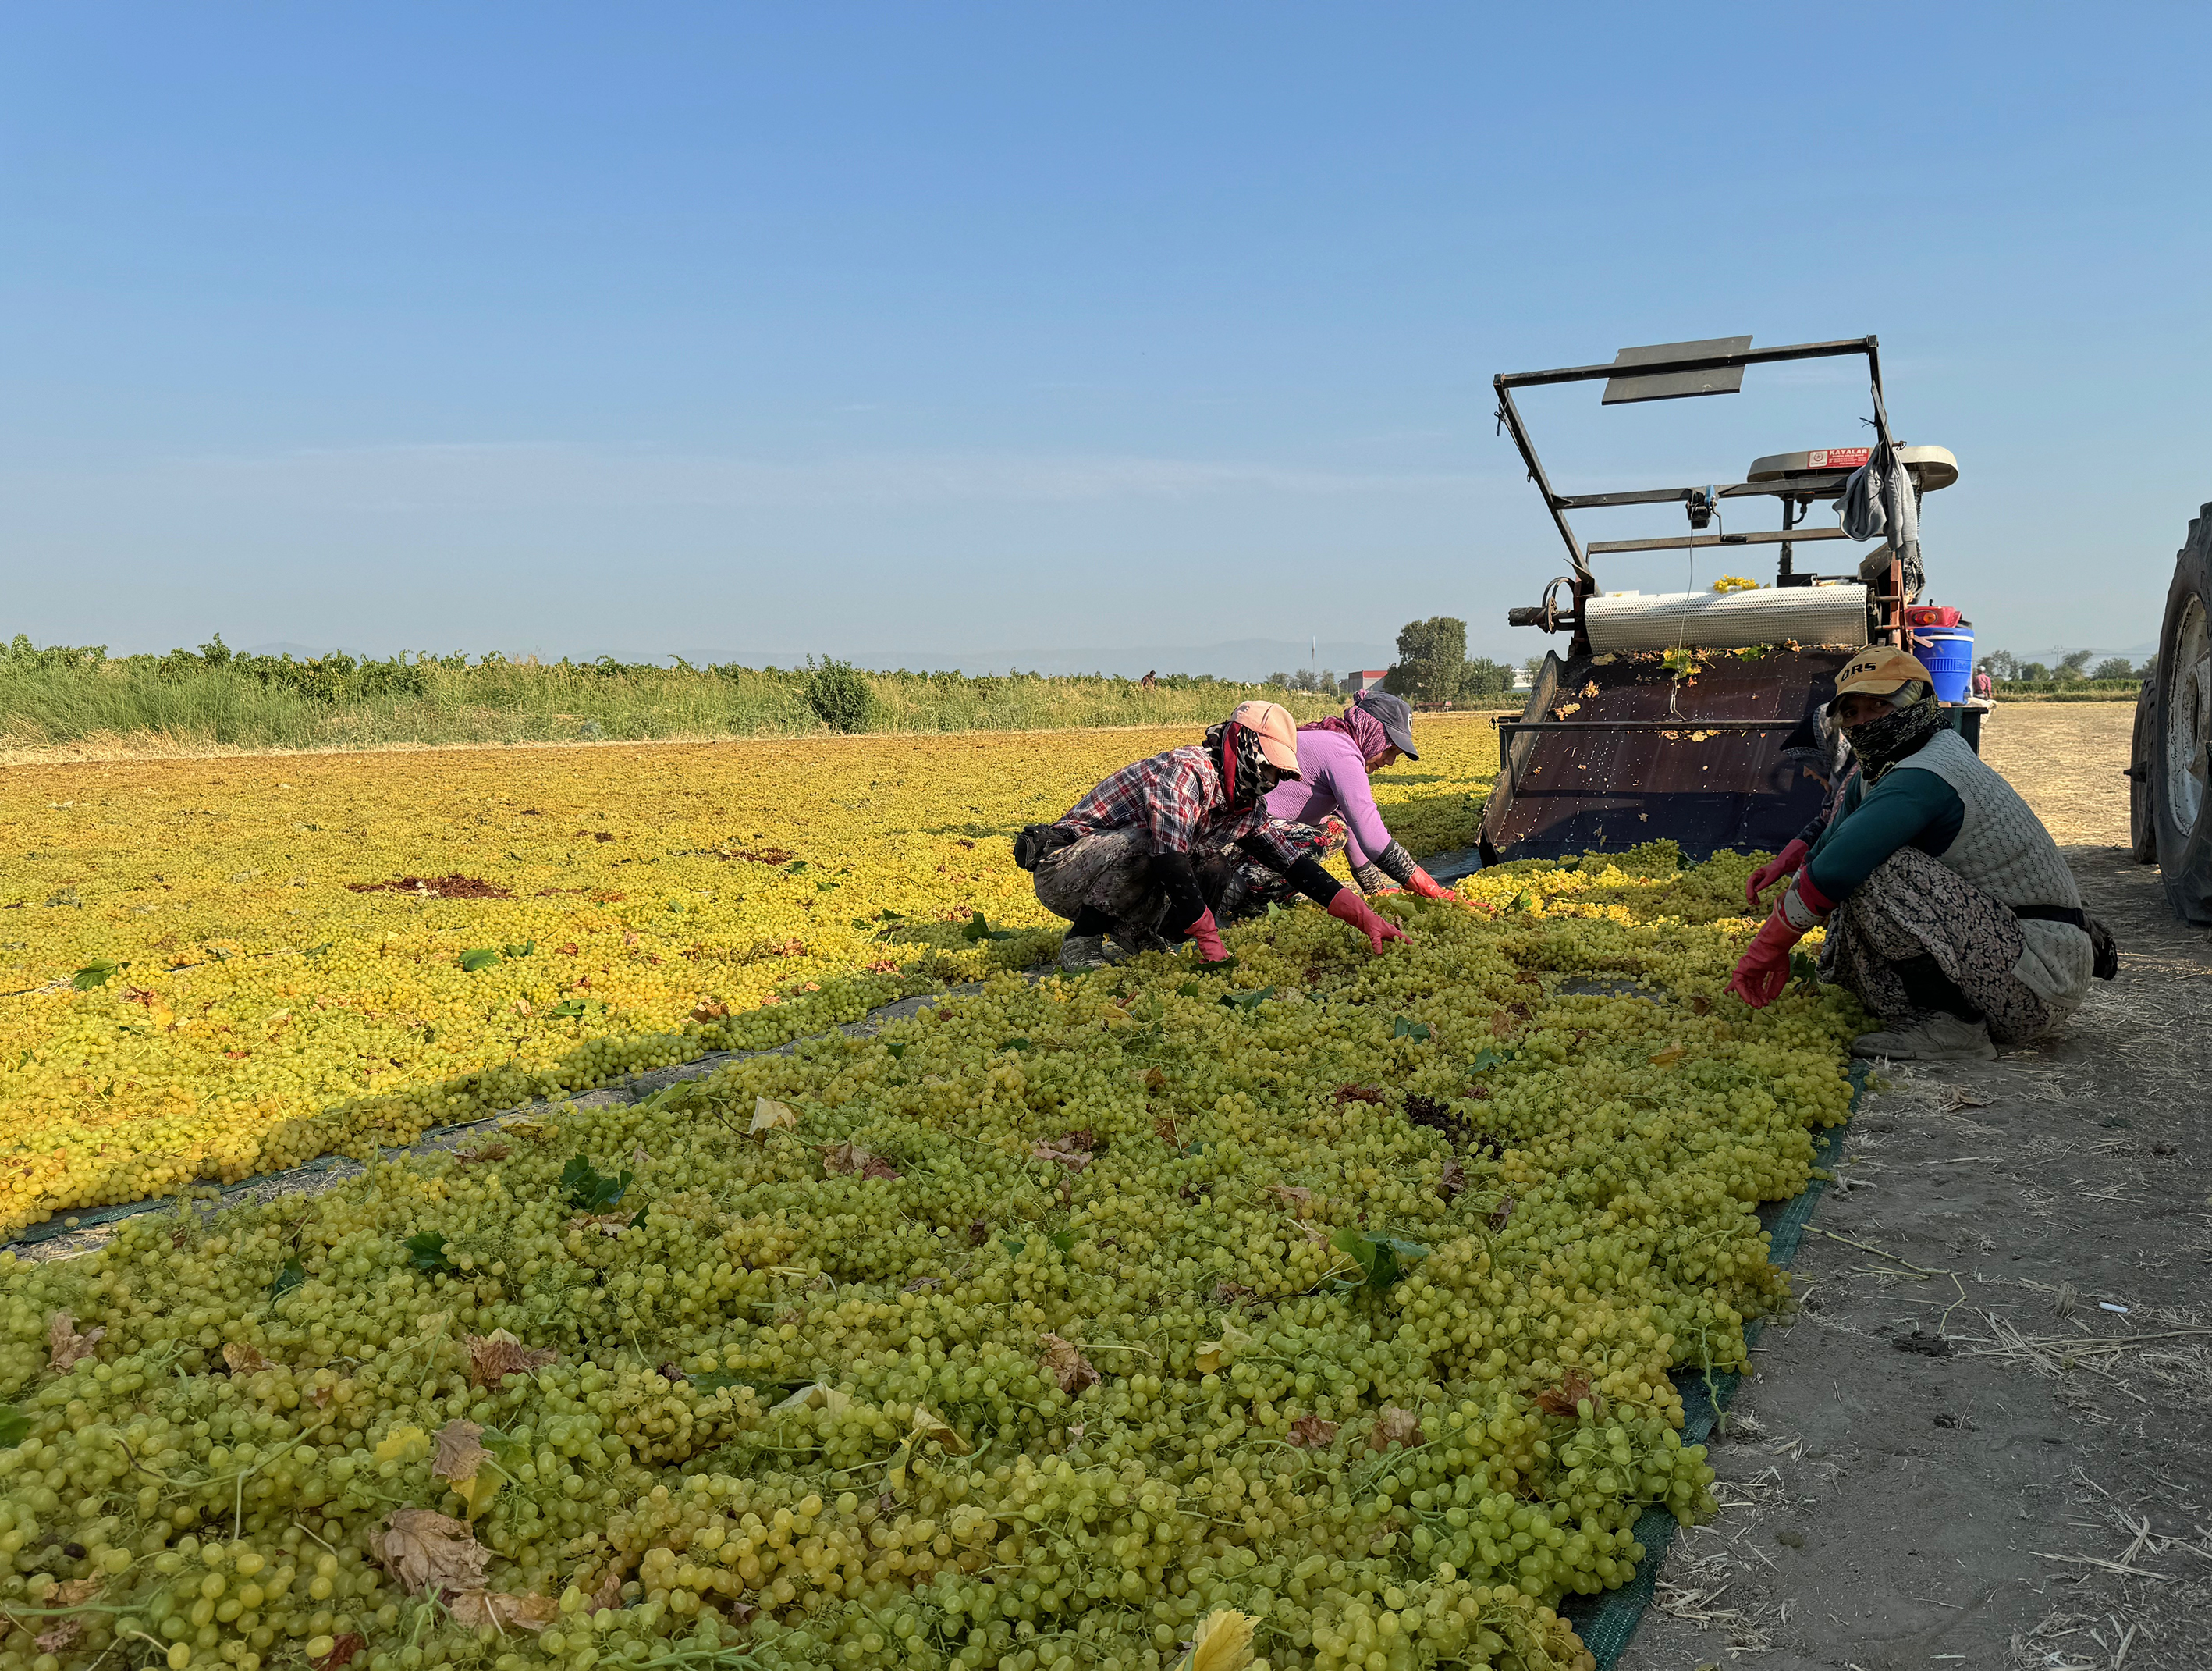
x=1916 y=937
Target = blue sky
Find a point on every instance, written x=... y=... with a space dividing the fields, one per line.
x=907 y=330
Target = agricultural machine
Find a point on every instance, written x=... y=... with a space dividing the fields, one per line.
x=1673 y=715
x=2170 y=810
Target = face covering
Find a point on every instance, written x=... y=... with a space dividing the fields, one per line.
x=1880 y=743
x=1245 y=773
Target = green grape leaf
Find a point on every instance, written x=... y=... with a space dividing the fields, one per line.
x=1524 y=900
x=887 y=915
x=567 y=1010
x=1273 y=911
x=1381 y=1260
x=978 y=928
x=426 y=1249
x=896 y=1051
x=522 y=950
x=479 y=957
x=98 y=972
x=1015 y=1044
x=1805 y=968
x=795 y=868
x=1064 y=1240
x=825 y=887
x=1012 y=1246
x=1401 y=1027
x=1191 y=989
x=1487 y=1058
x=1248 y=1002
x=14 y=1426
x=289 y=1276
x=590 y=1190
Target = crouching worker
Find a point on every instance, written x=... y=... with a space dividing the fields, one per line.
x=1330 y=802
x=1949 y=912
x=1120 y=861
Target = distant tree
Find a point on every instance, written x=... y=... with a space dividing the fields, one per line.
x=1282 y=682
x=2113 y=667
x=2033 y=672
x=1534 y=665
x=2074 y=664
x=1432 y=660
x=1481 y=676
x=2003 y=664
x=2148 y=670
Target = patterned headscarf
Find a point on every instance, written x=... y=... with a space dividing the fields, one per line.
x=1881 y=743
x=1362 y=728
x=1246 y=774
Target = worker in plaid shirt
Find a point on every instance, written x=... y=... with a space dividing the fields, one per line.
x=1120 y=861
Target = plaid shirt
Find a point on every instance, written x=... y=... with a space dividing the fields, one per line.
x=1177 y=797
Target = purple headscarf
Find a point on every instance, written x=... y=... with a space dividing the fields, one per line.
x=1362 y=728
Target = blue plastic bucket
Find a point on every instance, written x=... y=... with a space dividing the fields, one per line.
x=1947 y=653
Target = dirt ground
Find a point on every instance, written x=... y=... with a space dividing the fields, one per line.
x=1963 y=1451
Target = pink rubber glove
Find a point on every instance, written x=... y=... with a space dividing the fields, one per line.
x=1781 y=864
x=1348 y=908
x=1207 y=933
x=1425 y=885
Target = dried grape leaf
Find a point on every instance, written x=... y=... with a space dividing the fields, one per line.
x=473 y=1609
x=817 y=1395
x=768 y=1114
x=1223 y=1642
x=460 y=1453
x=1668 y=1057
x=1074 y=1159
x=928 y=1425
x=243 y=1359
x=850 y=1157
x=499 y=1354
x=1313 y=1433
x=427 y=1551
x=1567 y=1398
x=65 y=1347
x=344 y=1651
x=1454 y=1181
x=1394 y=1426
x=1066 y=1365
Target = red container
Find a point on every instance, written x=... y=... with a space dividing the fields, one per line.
x=1925 y=614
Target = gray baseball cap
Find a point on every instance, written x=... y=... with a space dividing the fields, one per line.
x=1397 y=719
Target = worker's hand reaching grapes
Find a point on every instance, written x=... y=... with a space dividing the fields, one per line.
x=1783 y=863
x=1348 y=908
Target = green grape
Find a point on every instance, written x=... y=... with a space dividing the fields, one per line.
x=1085 y=1358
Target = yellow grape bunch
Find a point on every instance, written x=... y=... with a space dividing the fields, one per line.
x=213 y=968
x=1334 y=1298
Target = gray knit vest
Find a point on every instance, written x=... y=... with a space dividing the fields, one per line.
x=2003 y=848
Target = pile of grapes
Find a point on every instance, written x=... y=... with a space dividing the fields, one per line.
x=1336 y=1295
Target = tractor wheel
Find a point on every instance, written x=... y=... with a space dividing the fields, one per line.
x=2181 y=730
x=2142 y=826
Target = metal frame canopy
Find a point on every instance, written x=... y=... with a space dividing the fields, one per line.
x=1676 y=371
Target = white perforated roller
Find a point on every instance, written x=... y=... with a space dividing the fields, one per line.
x=1728 y=620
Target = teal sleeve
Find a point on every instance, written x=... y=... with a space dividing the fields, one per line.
x=1910 y=808
x=1852 y=791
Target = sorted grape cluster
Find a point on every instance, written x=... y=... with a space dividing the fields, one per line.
x=1028 y=1333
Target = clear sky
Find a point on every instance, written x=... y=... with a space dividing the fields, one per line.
x=904 y=330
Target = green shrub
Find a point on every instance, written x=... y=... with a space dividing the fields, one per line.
x=840 y=695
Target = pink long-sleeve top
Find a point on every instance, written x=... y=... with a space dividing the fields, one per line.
x=1333 y=779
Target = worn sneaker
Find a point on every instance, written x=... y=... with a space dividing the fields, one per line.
x=1940 y=1038
x=1081 y=954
